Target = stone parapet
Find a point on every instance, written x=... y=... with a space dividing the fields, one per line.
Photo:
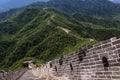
x=102 y=62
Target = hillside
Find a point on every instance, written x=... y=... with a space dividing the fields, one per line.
x=8 y=14
x=94 y=8
x=45 y=34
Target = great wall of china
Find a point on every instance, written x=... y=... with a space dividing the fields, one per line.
x=12 y=75
x=102 y=62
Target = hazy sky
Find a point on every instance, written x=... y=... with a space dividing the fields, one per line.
x=7 y=1
x=116 y=0
x=8 y=4
x=4 y=1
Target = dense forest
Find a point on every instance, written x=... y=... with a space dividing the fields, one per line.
x=101 y=8
x=40 y=34
x=94 y=8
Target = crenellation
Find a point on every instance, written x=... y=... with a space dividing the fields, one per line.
x=98 y=63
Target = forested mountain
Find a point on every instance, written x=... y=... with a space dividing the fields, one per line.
x=101 y=8
x=44 y=34
x=8 y=14
x=96 y=8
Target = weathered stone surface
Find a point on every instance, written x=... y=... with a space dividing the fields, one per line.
x=12 y=75
x=29 y=75
x=102 y=62
x=99 y=63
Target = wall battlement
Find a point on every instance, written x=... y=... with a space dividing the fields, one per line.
x=102 y=62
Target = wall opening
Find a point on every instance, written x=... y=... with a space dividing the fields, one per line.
x=50 y=65
x=105 y=62
x=61 y=60
x=81 y=55
x=55 y=68
x=71 y=67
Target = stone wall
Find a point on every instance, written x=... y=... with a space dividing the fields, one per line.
x=102 y=62
x=12 y=75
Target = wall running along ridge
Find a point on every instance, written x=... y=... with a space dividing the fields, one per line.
x=102 y=62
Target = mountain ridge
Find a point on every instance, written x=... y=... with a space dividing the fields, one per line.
x=94 y=8
x=39 y=34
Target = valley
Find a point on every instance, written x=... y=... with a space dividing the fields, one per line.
x=61 y=40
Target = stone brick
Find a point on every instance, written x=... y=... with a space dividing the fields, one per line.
x=88 y=65
x=115 y=56
x=107 y=73
x=96 y=45
x=116 y=77
x=118 y=46
x=106 y=45
x=116 y=42
x=118 y=51
x=106 y=41
x=110 y=48
x=99 y=73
